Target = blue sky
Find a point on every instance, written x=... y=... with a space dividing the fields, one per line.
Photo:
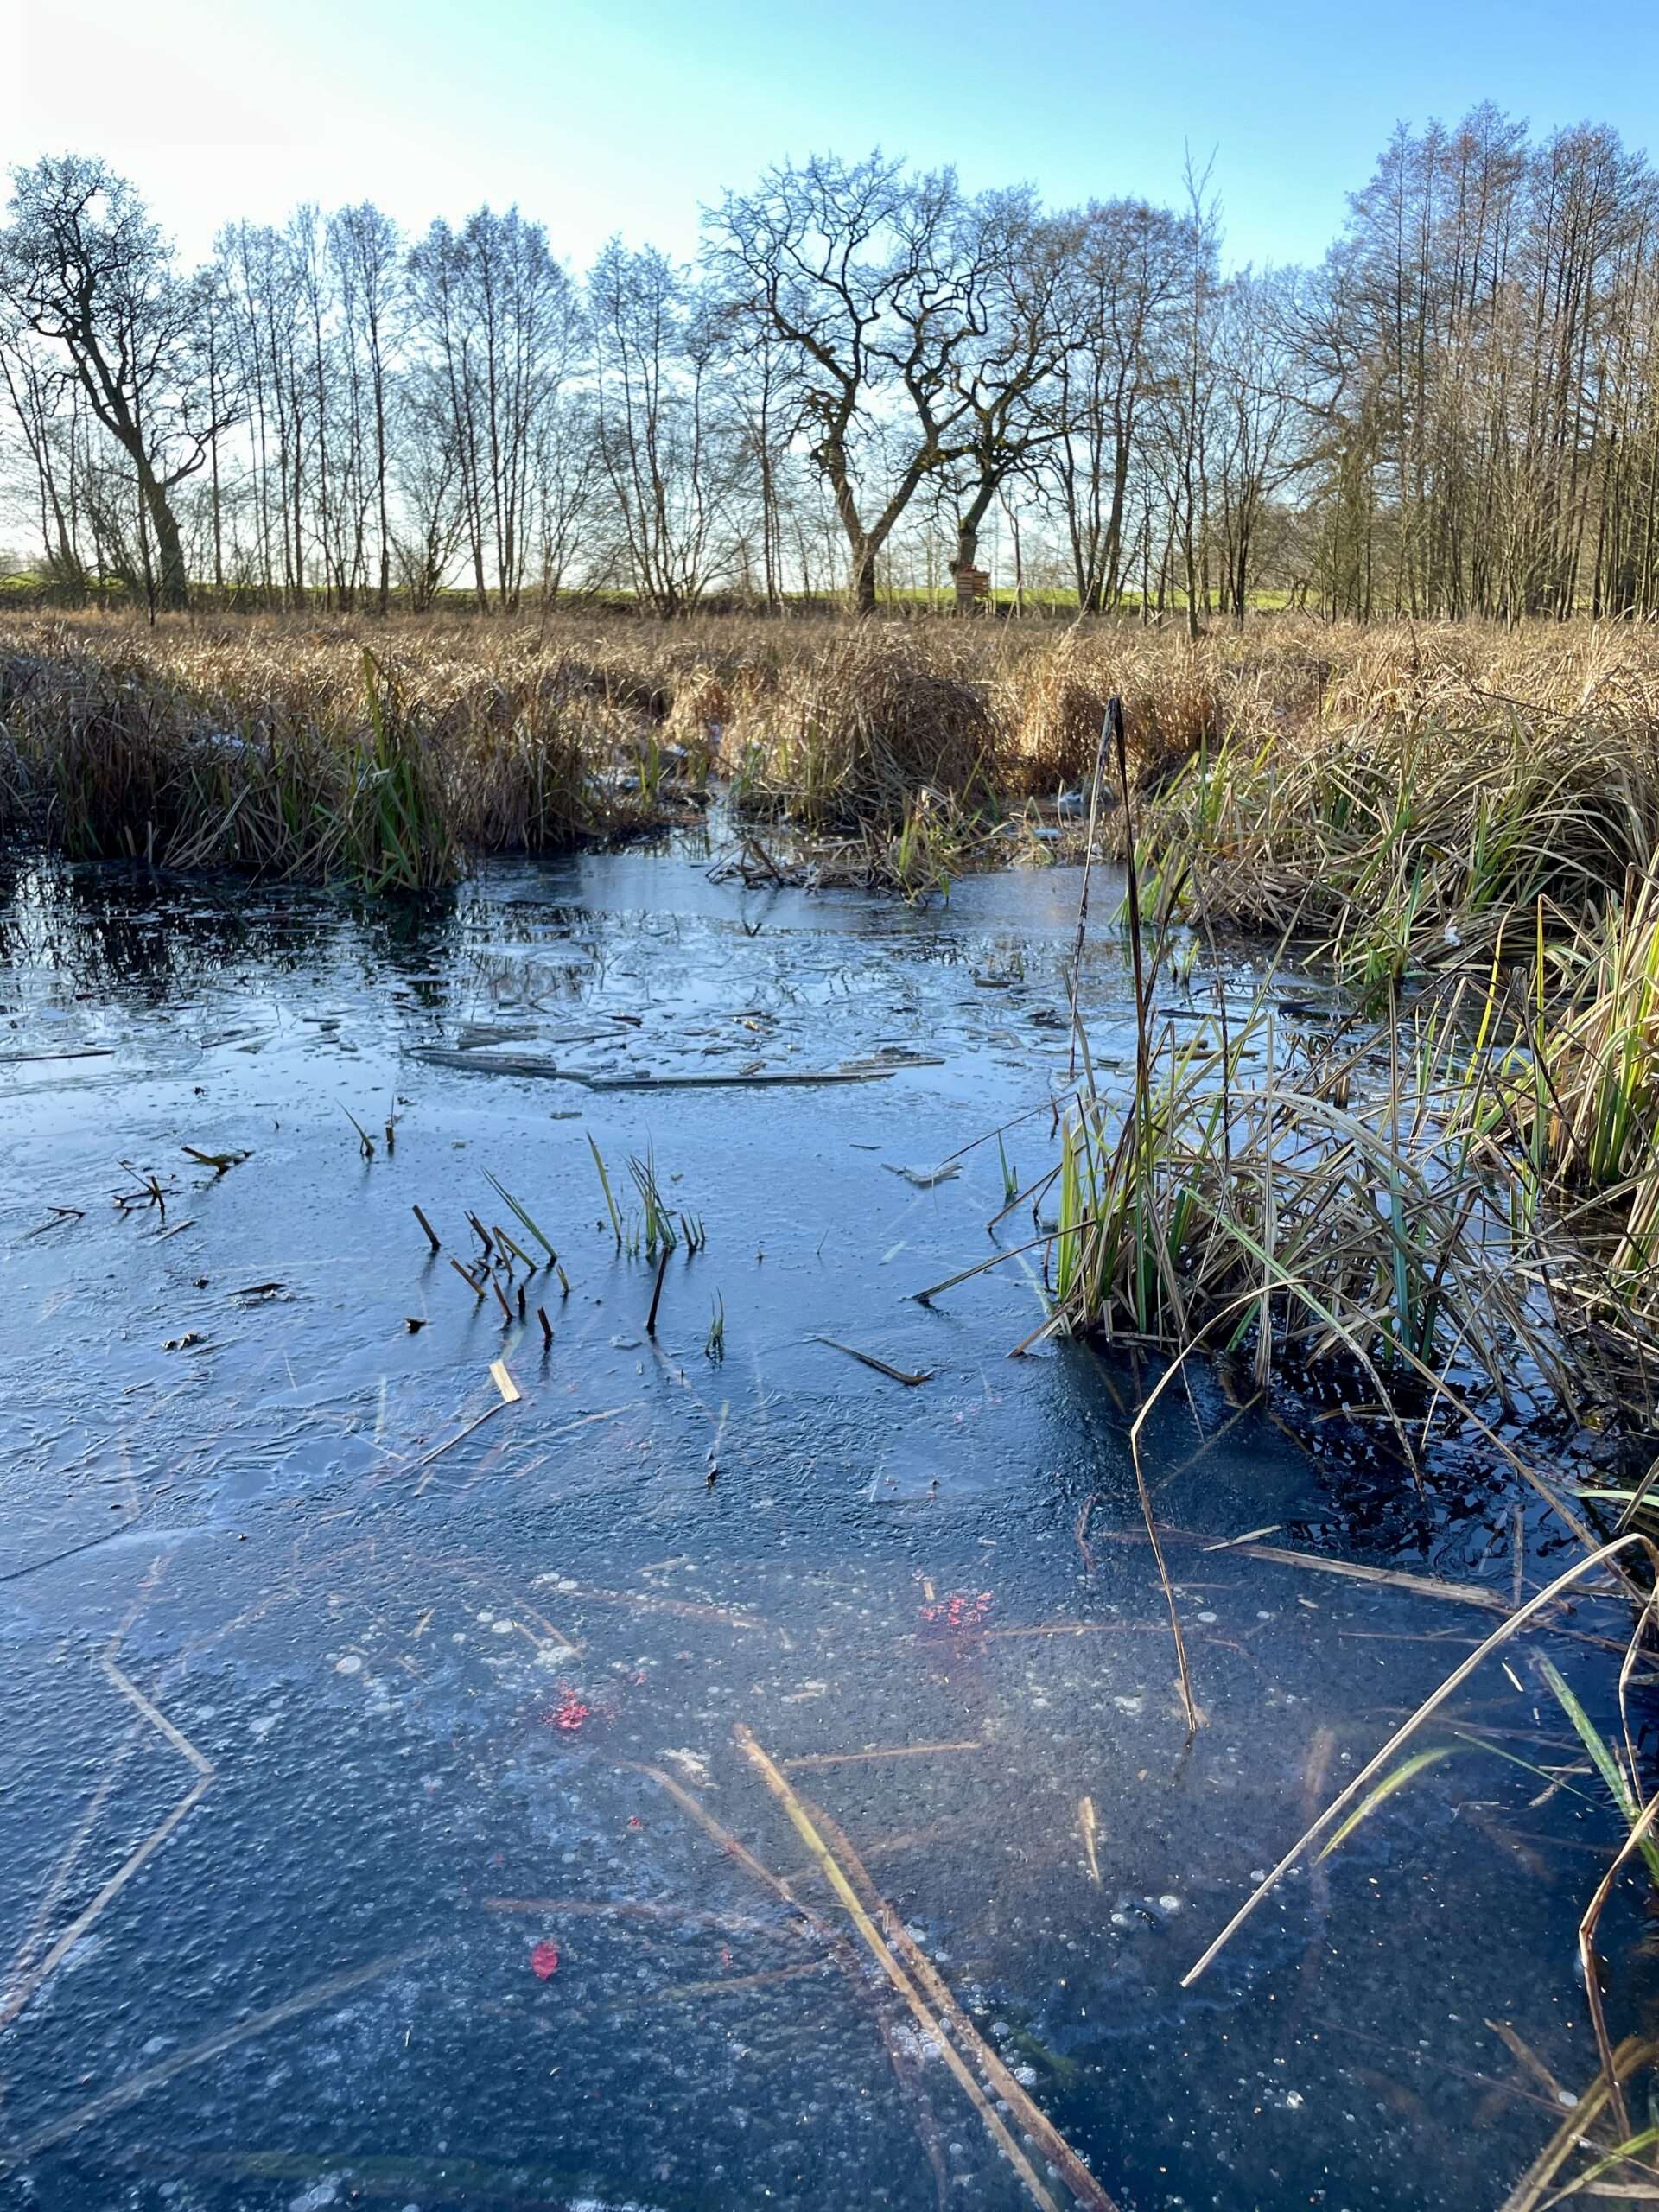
x=625 y=116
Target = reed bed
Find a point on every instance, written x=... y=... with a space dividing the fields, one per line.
x=1395 y=789
x=1405 y=847
x=849 y=733
x=1430 y=801
x=1447 y=1202
x=1449 y=1210
x=1337 y=1207
x=1585 y=1093
x=317 y=757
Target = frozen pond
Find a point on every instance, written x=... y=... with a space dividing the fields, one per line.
x=381 y=1821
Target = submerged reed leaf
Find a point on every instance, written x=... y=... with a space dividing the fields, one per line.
x=1396 y=1779
x=1605 y=1759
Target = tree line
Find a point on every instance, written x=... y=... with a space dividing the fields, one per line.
x=866 y=371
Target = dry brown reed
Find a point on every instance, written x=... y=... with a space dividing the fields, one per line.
x=847 y=734
x=1352 y=777
x=1434 y=787
x=299 y=752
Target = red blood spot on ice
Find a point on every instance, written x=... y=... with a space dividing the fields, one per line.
x=569 y=1714
x=544 y=1962
x=634 y=1821
x=963 y=1611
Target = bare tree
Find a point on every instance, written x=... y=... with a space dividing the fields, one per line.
x=1012 y=274
x=1183 y=398
x=668 y=449
x=430 y=489
x=568 y=469
x=1254 y=451
x=42 y=400
x=82 y=265
x=498 y=315
x=367 y=252
x=764 y=397
x=1124 y=270
x=857 y=267
x=1456 y=412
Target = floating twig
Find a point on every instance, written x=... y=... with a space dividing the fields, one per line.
x=757 y=1079
x=60 y=1217
x=881 y=1366
x=882 y=1752
x=475 y=1062
x=133 y=2086
x=450 y=1442
x=1420 y=1585
x=1090 y=1828
x=149 y=1191
x=1391 y=1578
x=1250 y=1535
x=1035 y=2122
x=838 y=1948
x=80 y=1052
x=21 y=1989
x=887 y=1957
x=923 y=1179
x=723 y=1836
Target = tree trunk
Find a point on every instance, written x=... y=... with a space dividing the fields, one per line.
x=968 y=522
x=860 y=580
x=172 y=583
